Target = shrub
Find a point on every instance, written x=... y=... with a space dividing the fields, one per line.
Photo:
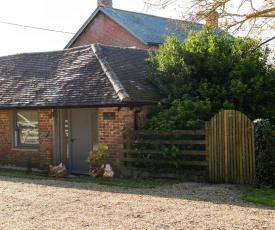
x=98 y=157
x=263 y=152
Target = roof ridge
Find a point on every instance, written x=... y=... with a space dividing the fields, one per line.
x=118 y=87
x=47 y=51
x=145 y=14
x=121 y=47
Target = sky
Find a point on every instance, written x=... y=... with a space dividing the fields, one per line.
x=60 y=15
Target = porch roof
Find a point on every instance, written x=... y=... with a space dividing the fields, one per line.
x=96 y=75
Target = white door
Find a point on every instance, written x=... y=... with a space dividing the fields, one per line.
x=80 y=139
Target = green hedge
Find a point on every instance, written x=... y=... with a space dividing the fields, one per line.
x=263 y=152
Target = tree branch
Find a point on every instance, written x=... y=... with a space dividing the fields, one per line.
x=258 y=46
x=262 y=13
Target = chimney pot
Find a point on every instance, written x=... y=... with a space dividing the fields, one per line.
x=108 y=3
x=213 y=19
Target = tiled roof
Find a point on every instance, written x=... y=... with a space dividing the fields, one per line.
x=122 y=63
x=75 y=77
x=149 y=29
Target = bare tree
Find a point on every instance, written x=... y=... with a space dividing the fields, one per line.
x=245 y=17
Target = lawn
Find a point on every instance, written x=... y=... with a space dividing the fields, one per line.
x=121 y=181
x=265 y=196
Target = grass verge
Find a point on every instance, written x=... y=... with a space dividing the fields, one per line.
x=265 y=196
x=121 y=182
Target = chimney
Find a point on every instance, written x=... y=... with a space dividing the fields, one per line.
x=108 y=3
x=213 y=19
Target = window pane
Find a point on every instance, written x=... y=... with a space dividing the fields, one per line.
x=27 y=118
x=27 y=127
x=28 y=136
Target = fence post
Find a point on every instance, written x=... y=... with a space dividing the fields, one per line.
x=127 y=136
x=207 y=123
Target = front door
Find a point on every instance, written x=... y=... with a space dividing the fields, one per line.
x=80 y=138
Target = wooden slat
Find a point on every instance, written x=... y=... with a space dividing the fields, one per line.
x=166 y=142
x=225 y=135
x=244 y=146
x=228 y=141
x=145 y=139
x=230 y=145
x=220 y=153
x=183 y=152
x=169 y=132
x=215 y=158
x=160 y=161
x=234 y=149
x=138 y=172
x=231 y=148
x=248 y=150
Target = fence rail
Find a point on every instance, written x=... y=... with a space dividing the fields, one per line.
x=144 y=150
x=225 y=150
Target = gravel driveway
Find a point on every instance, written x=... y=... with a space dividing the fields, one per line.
x=50 y=204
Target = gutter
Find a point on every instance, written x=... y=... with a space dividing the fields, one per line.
x=118 y=105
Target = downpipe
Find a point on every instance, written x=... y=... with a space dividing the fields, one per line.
x=136 y=117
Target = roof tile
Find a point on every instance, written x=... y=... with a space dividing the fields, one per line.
x=73 y=77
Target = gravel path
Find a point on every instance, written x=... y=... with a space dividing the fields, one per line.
x=31 y=204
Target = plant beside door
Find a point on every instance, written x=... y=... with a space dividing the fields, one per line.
x=97 y=159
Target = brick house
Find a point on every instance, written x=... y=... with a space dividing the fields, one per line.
x=115 y=27
x=57 y=106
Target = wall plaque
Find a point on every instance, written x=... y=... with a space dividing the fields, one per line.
x=109 y=116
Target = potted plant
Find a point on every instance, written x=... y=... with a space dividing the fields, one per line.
x=98 y=158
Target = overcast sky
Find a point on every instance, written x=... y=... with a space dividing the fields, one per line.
x=60 y=15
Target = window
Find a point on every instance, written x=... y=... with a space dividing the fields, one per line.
x=26 y=128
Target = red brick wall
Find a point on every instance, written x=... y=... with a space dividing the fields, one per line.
x=105 y=31
x=16 y=157
x=5 y=135
x=110 y=131
x=46 y=137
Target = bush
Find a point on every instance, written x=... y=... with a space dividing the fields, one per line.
x=98 y=157
x=263 y=152
x=207 y=73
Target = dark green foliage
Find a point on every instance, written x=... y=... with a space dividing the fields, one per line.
x=183 y=114
x=208 y=73
x=263 y=152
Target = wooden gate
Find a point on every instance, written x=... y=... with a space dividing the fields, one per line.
x=231 y=148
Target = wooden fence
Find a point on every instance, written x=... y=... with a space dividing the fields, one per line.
x=226 y=150
x=146 y=149
x=231 y=148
